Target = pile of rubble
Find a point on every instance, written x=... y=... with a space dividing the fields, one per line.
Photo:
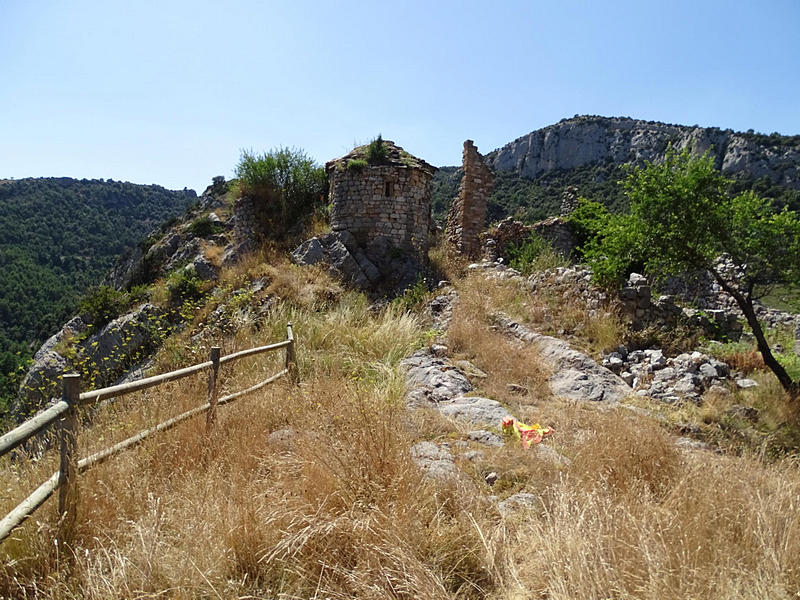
x=685 y=377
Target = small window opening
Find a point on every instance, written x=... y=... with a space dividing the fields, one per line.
x=388 y=189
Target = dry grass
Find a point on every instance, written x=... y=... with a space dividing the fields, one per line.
x=213 y=253
x=746 y=361
x=560 y=312
x=334 y=507
x=725 y=528
x=505 y=361
x=552 y=311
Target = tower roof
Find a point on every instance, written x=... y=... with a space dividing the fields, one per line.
x=393 y=155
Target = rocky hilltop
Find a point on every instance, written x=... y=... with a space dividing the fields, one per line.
x=584 y=140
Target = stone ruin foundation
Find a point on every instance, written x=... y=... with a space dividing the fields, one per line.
x=467 y=217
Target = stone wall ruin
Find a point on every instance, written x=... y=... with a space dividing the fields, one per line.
x=467 y=217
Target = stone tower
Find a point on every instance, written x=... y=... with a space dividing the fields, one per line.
x=384 y=202
x=467 y=217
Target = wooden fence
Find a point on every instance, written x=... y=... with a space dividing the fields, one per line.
x=65 y=414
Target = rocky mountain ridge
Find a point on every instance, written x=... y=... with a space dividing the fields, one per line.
x=583 y=140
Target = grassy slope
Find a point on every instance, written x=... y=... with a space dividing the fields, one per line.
x=340 y=511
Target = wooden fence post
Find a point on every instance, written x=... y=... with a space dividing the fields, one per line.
x=291 y=356
x=68 y=469
x=213 y=393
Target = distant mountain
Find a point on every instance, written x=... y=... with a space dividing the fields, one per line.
x=58 y=237
x=589 y=152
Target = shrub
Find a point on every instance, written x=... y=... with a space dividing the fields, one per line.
x=357 y=164
x=218 y=186
x=204 y=227
x=376 y=151
x=588 y=220
x=103 y=303
x=287 y=181
x=183 y=285
x=534 y=254
x=414 y=295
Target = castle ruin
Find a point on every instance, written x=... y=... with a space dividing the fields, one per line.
x=467 y=217
x=386 y=203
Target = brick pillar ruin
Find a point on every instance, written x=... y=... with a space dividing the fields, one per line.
x=467 y=217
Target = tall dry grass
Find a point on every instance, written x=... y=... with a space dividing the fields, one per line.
x=724 y=528
x=310 y=492
x=505 y=361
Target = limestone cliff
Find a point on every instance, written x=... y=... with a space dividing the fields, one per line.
x=584 y=140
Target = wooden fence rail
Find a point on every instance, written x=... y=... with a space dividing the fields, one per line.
x=65 y=414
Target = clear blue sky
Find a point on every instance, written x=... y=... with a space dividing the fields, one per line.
x=169 y=92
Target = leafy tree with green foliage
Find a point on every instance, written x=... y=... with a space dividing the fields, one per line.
x=287 y=180
x=588 y=220
x=682 y=218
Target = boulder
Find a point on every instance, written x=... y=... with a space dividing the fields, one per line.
x=474 y=409
x=122 y=342
x=549 y=454
x=203 y=268
x=345 y=266
x=435 y=461
x=309 y=252
x=376 y=267
x=745 y=384
x=432 y=380
x=487 y=438
x=184 y=255
x=519 y=502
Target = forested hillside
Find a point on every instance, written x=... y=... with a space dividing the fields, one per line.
x=58 y=237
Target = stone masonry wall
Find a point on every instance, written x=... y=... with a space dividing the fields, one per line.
x=508 y=232
x=361 y=205
x=467 y=217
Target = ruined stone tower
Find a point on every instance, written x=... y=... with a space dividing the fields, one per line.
x=384 y=202
x=467 y=217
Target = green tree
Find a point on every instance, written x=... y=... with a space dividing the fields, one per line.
x=683 y=219
x=287 y=180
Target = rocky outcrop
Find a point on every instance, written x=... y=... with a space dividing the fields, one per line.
x=435 y=461
x=179 y=246
x=432 y=380
x=121 y=343
x=40 y=382
x=584 y=140
x=378 y=267
x=101 y=358
x=575 y=375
